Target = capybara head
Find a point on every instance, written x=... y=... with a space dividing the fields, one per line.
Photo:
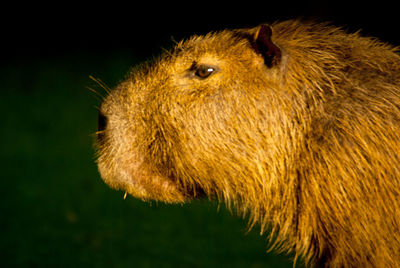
x=295 y=125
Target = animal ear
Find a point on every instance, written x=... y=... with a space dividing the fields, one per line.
x=264 y=46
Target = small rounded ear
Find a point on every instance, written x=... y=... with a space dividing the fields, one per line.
x=263 y=45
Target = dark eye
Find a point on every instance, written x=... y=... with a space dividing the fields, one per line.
x=204 y=71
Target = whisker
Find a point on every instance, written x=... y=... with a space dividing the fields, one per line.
x=174 y=41
x=101 y=84
x=166 y=51
x=97 y=94
x=93 y=135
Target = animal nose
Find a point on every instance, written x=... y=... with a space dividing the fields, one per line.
x=101 y=126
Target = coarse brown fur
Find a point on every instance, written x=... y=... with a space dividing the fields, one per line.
x=299 y=131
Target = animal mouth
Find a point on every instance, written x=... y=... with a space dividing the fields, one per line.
x=122 y=167
x=136 y=178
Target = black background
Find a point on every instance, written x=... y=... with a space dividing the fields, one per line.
x=34 y=30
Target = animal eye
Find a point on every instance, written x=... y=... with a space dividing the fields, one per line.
x=204 y=71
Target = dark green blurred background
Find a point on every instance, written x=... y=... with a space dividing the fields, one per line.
x=55 y=210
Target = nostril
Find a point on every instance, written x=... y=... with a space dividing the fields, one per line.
x=102 y=124
x=102 y=121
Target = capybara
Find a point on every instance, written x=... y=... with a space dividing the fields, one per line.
x=295 y=125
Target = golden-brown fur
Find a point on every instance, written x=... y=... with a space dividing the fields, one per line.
x=304 y=139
